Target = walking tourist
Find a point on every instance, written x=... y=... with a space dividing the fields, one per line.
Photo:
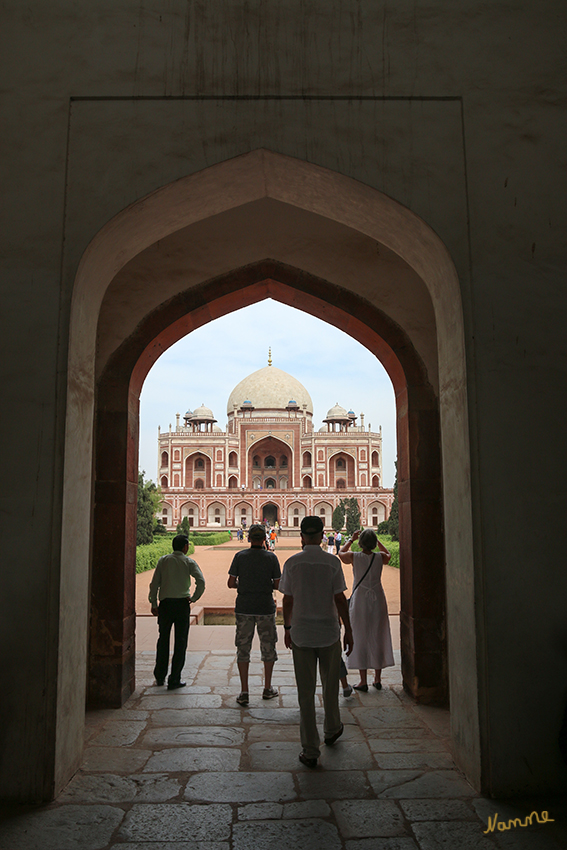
x=338 y=538
x=313 y=585
x=368 y=609
x=172 y=581
x=255 y=574
x=331 y=543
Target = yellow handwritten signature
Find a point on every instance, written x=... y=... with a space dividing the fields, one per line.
x=502 y=827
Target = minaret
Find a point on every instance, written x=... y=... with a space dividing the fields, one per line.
x=270 y=356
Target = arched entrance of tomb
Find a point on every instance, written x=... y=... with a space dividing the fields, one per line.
x=191 y=511
x=325 y=511
x=295 y=513
x=342 y=469
x=375 y=513
x=269 y=460
x=197 y=467
x=243 y=514
x=216 y=515
x=269 y=513
x=424 y=359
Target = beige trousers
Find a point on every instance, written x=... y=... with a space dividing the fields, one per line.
x=305 y=665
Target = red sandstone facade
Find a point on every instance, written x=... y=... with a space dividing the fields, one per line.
x=269 y=463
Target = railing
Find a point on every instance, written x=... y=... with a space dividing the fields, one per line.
x=274 y=490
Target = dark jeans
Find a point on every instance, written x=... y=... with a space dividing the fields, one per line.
x=172 y=612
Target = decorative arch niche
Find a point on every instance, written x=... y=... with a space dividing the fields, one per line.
x=256 y=201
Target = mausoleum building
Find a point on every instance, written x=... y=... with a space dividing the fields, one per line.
x=270 y=463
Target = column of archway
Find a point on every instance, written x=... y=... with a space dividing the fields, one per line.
x=111 y=676
x=422 y=586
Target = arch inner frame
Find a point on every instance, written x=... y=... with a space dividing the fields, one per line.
x=422 y=618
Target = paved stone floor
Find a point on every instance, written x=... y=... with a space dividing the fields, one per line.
x=191 y=770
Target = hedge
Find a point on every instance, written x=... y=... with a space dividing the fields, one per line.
x=148 y=556
x=209 y=538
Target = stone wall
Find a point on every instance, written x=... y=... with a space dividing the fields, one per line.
x=453 y=109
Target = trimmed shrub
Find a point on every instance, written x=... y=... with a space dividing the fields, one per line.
x=209 y=538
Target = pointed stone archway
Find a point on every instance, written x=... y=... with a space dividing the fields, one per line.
x=269 y=513
x=112 y=351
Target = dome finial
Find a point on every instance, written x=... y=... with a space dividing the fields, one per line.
x=270 y=356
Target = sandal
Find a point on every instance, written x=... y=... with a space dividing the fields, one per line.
x=270 y=693
x=242 y=699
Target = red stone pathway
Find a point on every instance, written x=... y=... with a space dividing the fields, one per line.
x=215 y=561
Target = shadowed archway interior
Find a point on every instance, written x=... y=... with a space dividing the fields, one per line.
x=112 y=645
x=196 y=249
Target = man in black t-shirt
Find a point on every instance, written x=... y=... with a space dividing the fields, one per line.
x=255 y=573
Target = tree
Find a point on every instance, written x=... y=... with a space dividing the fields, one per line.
x=184 y=527
x=393 y=519
x=338 y=518
x=149 y=500
x=352 y=512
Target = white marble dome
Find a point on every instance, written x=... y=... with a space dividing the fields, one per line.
x=202 y=412
x=269 y=389
x=337 y=412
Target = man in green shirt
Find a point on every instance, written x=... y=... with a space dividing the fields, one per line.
x=172 y=578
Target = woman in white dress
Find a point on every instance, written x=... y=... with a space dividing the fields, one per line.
x=368 y=609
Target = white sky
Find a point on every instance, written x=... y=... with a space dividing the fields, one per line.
x=205 y=366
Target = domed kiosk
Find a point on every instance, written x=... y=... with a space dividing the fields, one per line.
x=270 y=464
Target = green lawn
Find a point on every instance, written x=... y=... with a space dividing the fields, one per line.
x=148 y=556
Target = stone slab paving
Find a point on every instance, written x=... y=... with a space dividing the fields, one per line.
x=192 y=770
